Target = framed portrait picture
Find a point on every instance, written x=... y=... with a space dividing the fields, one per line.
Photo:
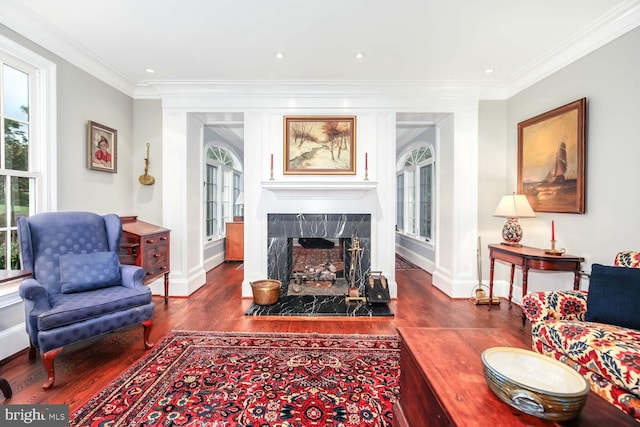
x=551 y=159
x=102 y=148
x=319 y=145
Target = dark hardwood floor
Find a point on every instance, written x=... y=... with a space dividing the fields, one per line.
x=84 y=368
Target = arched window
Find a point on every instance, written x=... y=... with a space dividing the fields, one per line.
x=415 y=192
x=221 y=155
x=223 y=180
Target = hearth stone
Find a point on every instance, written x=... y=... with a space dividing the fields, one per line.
x=319 y=306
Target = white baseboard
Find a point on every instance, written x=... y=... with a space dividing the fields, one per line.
x=419 y=260
x=13 y=339
x=213 y=262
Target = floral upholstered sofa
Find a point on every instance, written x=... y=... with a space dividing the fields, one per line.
x=597 y=332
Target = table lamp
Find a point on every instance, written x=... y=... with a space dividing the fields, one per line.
x=512 y=207
x=240 y=202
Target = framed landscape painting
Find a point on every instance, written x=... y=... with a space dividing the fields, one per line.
x=319 y=145
x=102 y=145
x=551 y=159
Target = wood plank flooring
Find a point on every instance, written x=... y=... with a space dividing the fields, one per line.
x=85 y=368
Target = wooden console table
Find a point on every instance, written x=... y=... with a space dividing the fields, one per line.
x=442 y=384
x=530 y=258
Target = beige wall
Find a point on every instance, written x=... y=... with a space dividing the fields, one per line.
x=82 y=97
x=147 y=199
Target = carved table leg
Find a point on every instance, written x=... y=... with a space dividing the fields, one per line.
x=513 y=270
x=166 y=288
x=525 y=279
x=492 y=264
x=576 y=280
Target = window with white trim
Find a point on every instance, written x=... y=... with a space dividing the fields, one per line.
x=223 y=179
x=399 y=202
x=19 y=174
x=415 y=193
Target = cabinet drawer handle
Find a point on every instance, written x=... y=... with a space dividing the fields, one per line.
x=157 y=255
x=163 y=238
x=151 y=241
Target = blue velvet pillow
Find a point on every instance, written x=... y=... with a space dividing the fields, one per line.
x=86 y=272
x=614 y=296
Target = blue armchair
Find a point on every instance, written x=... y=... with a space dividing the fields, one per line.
x=78 y=288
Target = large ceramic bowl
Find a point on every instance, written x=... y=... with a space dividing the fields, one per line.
x=535 y=384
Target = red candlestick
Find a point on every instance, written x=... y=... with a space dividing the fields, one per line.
x=272 y=161
x=366 y=160
x=553 y=230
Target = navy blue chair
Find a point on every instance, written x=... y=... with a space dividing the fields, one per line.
x=78 y=289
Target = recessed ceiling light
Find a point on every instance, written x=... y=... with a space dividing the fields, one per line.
x=150 y=70
x=488 y=70
x=279 y=55
x=358 y=55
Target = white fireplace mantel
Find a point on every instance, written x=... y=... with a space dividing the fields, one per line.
x=332 y=190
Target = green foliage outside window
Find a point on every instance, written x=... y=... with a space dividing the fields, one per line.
x=15 y=258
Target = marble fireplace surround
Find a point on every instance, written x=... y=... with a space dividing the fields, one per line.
x=282 y=229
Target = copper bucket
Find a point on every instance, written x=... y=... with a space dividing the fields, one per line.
x=266 y=292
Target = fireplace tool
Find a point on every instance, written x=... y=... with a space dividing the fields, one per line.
x=481 y=297
x=354 y=292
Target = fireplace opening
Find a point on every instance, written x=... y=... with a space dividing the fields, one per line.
x=310 y=253
x=318 y=267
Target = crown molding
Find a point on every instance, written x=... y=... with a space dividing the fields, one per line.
x=620 y=20
x=26 y=23
x=311 y=88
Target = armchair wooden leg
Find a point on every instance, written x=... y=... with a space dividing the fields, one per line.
x=47 y=359
x=32 y=352
x=147 y=330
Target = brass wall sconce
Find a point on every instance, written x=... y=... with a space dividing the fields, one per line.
x=146 y=179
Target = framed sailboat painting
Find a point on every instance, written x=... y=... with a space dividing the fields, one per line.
x=551 y=159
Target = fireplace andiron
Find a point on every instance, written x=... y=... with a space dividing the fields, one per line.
x=354 y=293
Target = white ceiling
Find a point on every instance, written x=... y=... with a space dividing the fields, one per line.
x=444 y=43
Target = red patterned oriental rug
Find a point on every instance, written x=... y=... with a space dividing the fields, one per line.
x=253 y=379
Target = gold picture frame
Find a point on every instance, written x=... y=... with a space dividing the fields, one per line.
x=319 y=145
x=551 y=159
x=102 y=148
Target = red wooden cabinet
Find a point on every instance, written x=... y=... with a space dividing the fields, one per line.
x=148 y=246
x=234 y=242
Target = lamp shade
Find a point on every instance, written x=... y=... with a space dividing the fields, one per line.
x=240 y=199
x=514 y=206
